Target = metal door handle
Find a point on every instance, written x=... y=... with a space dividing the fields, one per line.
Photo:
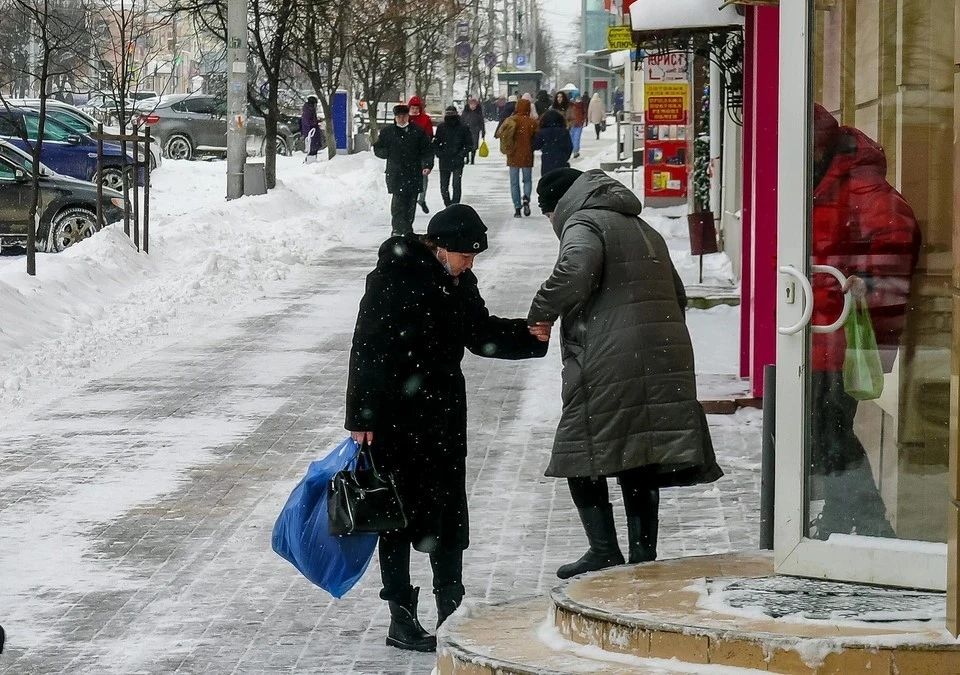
x=847 y=299
x=807 y=300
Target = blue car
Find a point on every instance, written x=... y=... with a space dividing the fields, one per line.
x=66 y=151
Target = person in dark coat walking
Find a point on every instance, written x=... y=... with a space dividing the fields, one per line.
x=506 y=112
x=406 y=397
x=553 y=141
x=630 y=407
x=453 y=146
x=409 y=156
x=310 y=129
x=543 y=102
x=472 y=116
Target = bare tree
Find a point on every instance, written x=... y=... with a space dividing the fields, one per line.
x=56 y=50
x=379 y=57
x=270 y=34
x=430 y=24
x=321 y=48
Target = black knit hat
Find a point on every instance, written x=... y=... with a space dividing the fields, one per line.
x=553 y=186
x=451 y=110
x=401 y=109
x=458 y=228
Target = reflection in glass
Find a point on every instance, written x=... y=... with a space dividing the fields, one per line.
x=882 y=214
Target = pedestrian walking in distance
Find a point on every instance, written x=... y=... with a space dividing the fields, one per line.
x=596 y=114
x=472 y=116
x=310 y=130
x=553 y=142
x=409 y=156
x=420 y=118
x=516 y=141
x=406 y=397
x=576 y=120
x=629 y=392
x=453 y=145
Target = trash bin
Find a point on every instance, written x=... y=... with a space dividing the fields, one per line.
x=254 y=179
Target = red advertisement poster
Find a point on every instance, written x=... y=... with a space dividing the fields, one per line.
x=666 y=143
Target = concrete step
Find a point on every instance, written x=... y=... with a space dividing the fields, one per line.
x=519 y=638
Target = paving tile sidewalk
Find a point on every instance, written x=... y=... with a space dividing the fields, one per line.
x=145 y=500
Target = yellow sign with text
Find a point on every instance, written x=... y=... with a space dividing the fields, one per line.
x=666 y=103
x=619 y=38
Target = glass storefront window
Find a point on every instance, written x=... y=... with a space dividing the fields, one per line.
x=881 y=172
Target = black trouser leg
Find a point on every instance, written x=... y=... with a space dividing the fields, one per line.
x=447 y=581
x=597 y=128
x=457 y=184
x=851 y=497
x=641 y=501
x=394 y=567
x=593 y=506
x=403 y=210
x=445 y=186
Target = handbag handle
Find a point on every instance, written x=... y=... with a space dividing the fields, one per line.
x=367 y=455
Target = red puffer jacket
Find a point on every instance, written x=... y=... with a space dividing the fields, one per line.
x=863 y=227
x=423 y=119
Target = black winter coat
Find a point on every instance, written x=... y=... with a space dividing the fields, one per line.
x=452 y=143
x=553 y=140
x=405 y=383
x=408 y=152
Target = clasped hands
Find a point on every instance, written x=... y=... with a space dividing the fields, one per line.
x=541 y=330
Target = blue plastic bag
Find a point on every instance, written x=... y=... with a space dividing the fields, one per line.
x=301 y=534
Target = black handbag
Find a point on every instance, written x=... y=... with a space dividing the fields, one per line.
x=364 y=499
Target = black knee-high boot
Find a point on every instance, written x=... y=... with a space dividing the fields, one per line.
x=601 y=533
x=643 y=525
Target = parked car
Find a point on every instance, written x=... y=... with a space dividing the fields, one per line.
x=106 y=108
x=68 y=207
x=141 y=94
x=192 y=124
x=81 y=122
x=22 y=158
x=64 y=150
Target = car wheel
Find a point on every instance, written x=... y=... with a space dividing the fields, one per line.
x=179 y=146
x=72 y=225
x=111 y=177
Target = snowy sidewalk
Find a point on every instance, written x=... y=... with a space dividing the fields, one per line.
x=137 y=509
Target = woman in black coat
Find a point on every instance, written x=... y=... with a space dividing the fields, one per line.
x=553 y=140
x=406 y=397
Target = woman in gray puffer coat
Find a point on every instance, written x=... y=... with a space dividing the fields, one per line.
x=629 y=390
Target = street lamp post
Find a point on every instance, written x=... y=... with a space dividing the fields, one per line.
x=236 y=96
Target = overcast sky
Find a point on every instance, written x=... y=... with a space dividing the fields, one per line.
x=560 y=17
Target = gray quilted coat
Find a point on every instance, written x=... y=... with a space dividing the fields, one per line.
x=629 y=390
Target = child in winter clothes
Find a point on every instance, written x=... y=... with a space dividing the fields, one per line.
x=553 y=140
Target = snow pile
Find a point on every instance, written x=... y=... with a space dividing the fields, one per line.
x=99 y=301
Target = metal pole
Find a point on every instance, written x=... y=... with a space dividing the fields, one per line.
x=146 y=197
x=716 y=140
x=100 y=177
x=136 y=190
x=768 y=457
x=236 y=96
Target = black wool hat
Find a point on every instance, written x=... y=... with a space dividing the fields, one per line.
x=553 y=186
x=451 y=110
x=458 y=228
x=401 y=109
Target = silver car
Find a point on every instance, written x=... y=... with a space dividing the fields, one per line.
x=191 y=124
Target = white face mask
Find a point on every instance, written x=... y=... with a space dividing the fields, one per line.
x=404 y=125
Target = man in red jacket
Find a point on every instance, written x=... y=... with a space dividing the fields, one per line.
x=863 y=227
x=419 y=117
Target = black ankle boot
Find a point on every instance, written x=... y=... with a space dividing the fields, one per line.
x=526 y=206
x=448 y=599
x=405 y=629
x=516 y=213
x=604 y=551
